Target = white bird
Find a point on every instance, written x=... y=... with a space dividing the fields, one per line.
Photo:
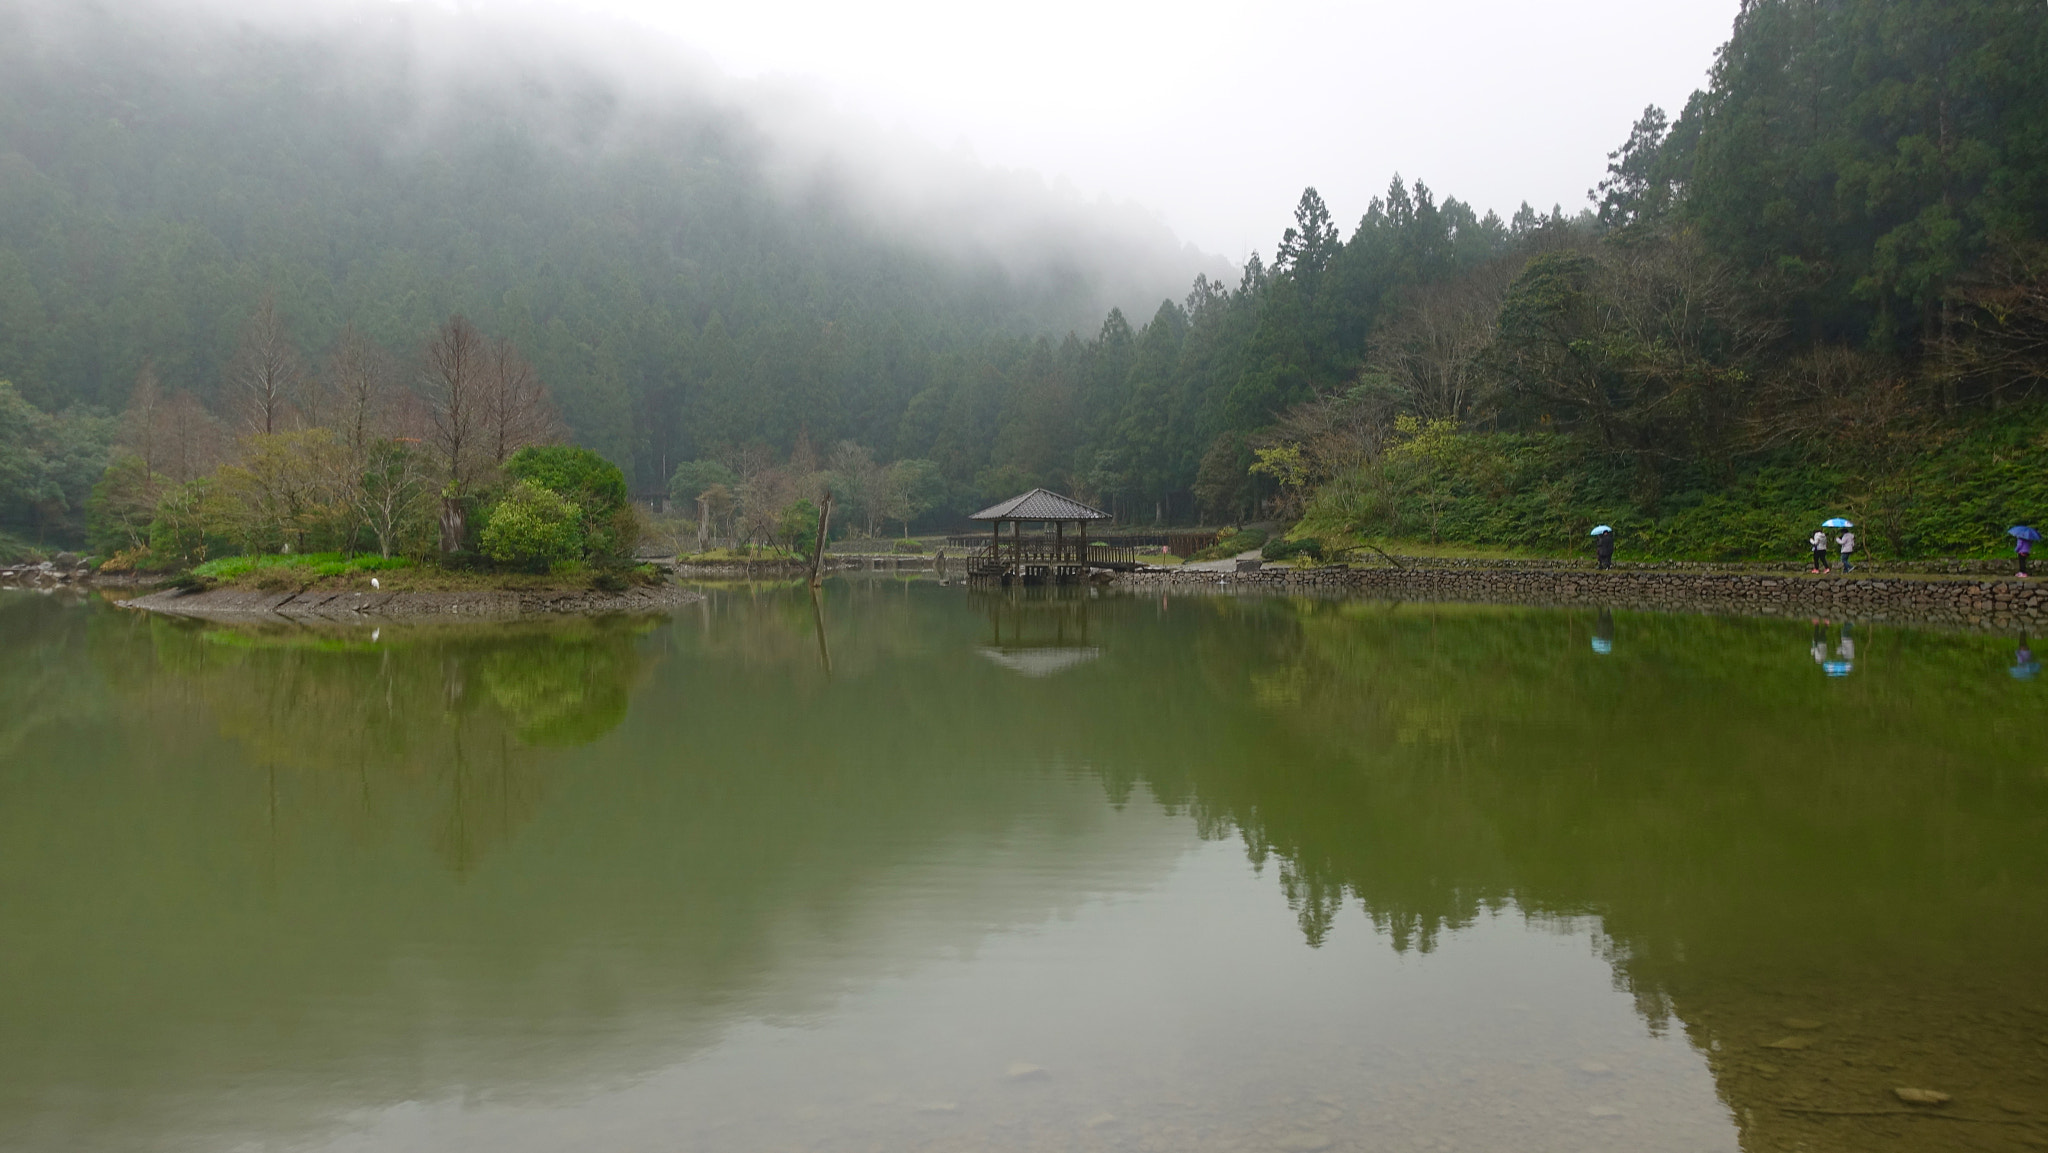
x=374 y=584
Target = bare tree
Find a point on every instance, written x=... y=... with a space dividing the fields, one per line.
x=361 y=388
x=142 y=424
x=192 y=438
x=126 y=497
x=2001 y=345
x=761 y=499
x=861 y=484
x=1651 y=349
x=266 y=374
x=1336 y=432
x=1434 y=349
x=1859 y=412
x=281 y=493
x=457 y=363
x=390 y=492
x=516 y=409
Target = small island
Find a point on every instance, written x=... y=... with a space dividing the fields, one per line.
x=460 y=506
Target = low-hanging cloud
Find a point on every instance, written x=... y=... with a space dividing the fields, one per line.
x=584 y=80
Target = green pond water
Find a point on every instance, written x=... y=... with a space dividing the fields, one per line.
x=913 y=867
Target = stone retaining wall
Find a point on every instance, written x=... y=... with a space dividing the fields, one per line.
x=2005 y=605
x=1968 y=566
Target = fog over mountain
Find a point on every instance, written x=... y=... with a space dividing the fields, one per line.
x=709 y=261
x=692 y=263
x=585 y=81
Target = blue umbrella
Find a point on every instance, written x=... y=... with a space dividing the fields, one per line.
x=1836 y=668
x=2023 y=532
x=1600 y=528
x=1603 y=645
x=1836 y=522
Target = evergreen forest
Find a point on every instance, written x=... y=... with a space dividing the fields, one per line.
x=1816 y=288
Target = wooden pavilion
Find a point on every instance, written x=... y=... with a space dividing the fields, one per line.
x=1042 y=558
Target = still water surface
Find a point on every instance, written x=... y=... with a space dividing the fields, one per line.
x=917 y=868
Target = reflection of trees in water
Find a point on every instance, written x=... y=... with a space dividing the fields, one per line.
x=562 y=694
x=1413 y=751
x=856 y=627
x=1753 y=843
x=738 y=847
x=43 y=686
x=453 y=713
x=1745 y=840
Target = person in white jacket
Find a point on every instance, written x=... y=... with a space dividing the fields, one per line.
x=1819 y=541
x=1847 y=543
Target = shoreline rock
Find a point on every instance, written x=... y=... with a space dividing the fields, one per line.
x=470 y=604
x=45 y=574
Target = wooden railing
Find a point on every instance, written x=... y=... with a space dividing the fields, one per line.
x=993 y=561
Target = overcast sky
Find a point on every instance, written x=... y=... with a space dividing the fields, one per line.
x=1215 y=115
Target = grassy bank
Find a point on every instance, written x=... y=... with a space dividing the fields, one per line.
x=331 y=571
x=1950 y=491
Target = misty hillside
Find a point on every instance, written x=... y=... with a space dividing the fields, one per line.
x=1821 y=284
x=687 y=275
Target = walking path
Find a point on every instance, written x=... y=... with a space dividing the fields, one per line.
x=1228 y=564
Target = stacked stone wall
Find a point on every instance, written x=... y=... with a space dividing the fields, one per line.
x=2006 y=604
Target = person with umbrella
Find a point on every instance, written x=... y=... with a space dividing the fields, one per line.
x=2023 y=538
x=1846 y=542
x=1603 y=544
x=2024 y=666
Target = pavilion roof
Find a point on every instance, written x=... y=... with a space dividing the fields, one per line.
x=1038 y=504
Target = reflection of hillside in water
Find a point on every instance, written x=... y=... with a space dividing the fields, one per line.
x=276 y=819
x=455 y=711
x=1749 y=842
x=1762 y=846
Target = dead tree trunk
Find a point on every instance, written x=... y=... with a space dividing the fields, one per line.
x=818 y=553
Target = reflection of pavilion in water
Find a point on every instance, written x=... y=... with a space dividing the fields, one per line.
x=1038 y=633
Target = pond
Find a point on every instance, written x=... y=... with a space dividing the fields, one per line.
x=911 y=867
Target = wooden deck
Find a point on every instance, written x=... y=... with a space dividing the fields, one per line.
x=1039 y=560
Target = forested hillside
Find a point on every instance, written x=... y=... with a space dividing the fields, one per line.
x=1819 y=291
x=1820 y=284
x=683 y=281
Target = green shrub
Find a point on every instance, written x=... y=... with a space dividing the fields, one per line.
x=916 y=546
x=1278 y=550
x=797 y=527
x=1235 y=541
x=533 y=528
x=608 y=526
